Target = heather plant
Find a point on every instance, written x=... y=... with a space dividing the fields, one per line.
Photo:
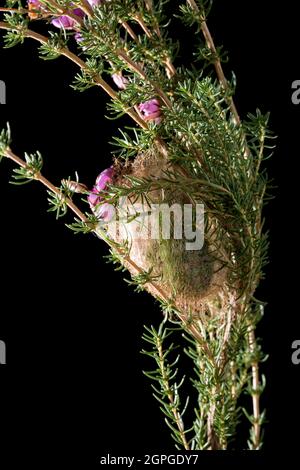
x=187 y=148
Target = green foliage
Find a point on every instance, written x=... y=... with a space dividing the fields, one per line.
x=16 y=35
x=5 y=141
x=84 y=227
x=166 y=389
x=58 y=204
x=134 y=142
x=59 y=199
x=85 y=78
x=188 y=16
x=141 y=279
x=52 y=49
x=34 y=164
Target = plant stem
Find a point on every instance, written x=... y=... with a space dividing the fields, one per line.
x=86 y=7
x=74 y=58
x=129 y=30
x=217 y=63
x=39 y=177
x=62 y=12
x=170 y=69
x=255 y=391
x=138 y=69
x=88 y=10
x=14 y=10
x=168 y=391
x=142 y=24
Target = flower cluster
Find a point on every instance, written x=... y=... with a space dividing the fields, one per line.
x=103 y=210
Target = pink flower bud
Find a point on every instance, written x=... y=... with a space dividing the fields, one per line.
x=119 y=80
x=151 y=111
x=74 y=186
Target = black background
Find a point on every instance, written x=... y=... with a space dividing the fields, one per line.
x=72 y=388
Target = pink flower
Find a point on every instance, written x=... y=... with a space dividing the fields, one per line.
x=119 y=80
x=105 y=177
x=151 y=111
x=102 y=210
x=65 y=22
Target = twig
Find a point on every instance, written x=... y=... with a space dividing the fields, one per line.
x=74 y=58
x=214 y=443
x=138 y=69
x=14 y=10
x=39 y=177
x=62 y=12
x=142 y=24
x=86 y=7
x=170 y=396
x=255 y=392
x=129 y=30
x=170 y=69
x=88 y=10
x=217 y=63
x=135 y=269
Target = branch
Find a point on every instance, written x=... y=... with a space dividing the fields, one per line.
x=255 y=392
x=138 y=69
x=170 y=394
x=74 y=58
x=86 y=7
x=149 y=6
x=88 y=10
x=62 y=12
x=39 y=177
x=217 y=63
x=129 y=30
x=14 y=10
x=170 y=69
